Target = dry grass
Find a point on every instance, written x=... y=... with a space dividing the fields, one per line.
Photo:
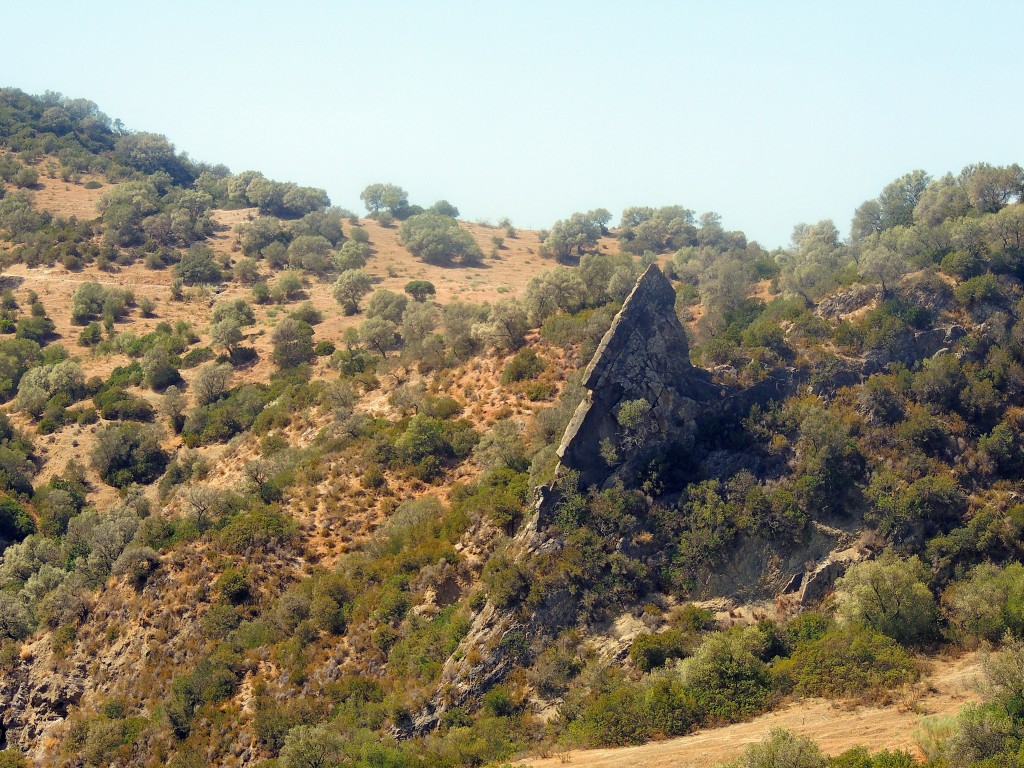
x=67 y=199
x=836 y=726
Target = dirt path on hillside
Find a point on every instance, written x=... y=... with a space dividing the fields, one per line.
x=835 y=726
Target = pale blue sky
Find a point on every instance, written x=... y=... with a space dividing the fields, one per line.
x=770 y=113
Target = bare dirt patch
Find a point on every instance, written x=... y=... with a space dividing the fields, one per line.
x=67 y=199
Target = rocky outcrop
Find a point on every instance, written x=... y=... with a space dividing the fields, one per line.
x=847 y=302
x=911 y=347
x=817 y=583
x=35 y=697
x=642 y=367
x=644 y=356
x=497 y=639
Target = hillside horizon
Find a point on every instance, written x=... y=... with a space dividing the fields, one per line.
x=285 y=485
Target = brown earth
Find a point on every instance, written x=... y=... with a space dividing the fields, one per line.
x=67 y=199
x=835 y=725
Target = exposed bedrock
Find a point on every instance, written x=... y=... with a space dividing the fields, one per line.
x=643 y=356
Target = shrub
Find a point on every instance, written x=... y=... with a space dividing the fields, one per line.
x=196 y=356
x=631 y=713
x=136 y=564
x=115 y=403
x=988 y=603
x=15 y=521
x=982 y=732
x=782 y=749
x=12 y=758
x=307 y=313
x=256 y=528
x=649 y=652
x=525 y=364
x=91 y=335
x=158 y=366
x=349 y=289
x=233 y=586
x=197 y=266
x=845 y=662
x=507 y=581
x=890 y=596
x=293 y=343
x=438 y=239
x=726 y=678
x=324 y=348
x=979 y=290
x=129 y=453
x=37 y=329
x=309 y=747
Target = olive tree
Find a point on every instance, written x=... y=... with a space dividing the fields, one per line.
x=889 y=595
x=350 y=288
x=387 y=305
x=882 y=264
x=439 y=239
x=505 y=326
x=576 y=234
x=293 y=343
x=385 y=197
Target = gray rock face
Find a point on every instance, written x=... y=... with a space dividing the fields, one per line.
x=643 y=356
x=33 y=698
x=835 y=307
x=817 y=584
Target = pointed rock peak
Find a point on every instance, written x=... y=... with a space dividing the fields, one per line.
x=650 y=309
x=643 y=356
x=652 y=287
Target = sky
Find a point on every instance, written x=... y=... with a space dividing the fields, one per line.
x=769 y=113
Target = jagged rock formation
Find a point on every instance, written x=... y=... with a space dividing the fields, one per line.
x=35 y=697
x=643 y=356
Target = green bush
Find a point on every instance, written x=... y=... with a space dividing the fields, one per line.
x=988 y=603
x=501 y=496
x=525 y=364
x=845 y=662
x=726 y=678
x=507 y=582
x=631 y=713
x=116 y=403
x=15 y=521
x=12 y=758
x=234 y=586
x=979 y=290
x=256 y=528
x=890 y=596
x=438 y=239
x=197 y=266
x=782 y=749
x=129 y=453
x=219 y=421
x=196 y=356
x=649 y=652
x=91 y=335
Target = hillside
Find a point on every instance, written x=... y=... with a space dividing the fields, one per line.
x=285 y=485
x=836 y=726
